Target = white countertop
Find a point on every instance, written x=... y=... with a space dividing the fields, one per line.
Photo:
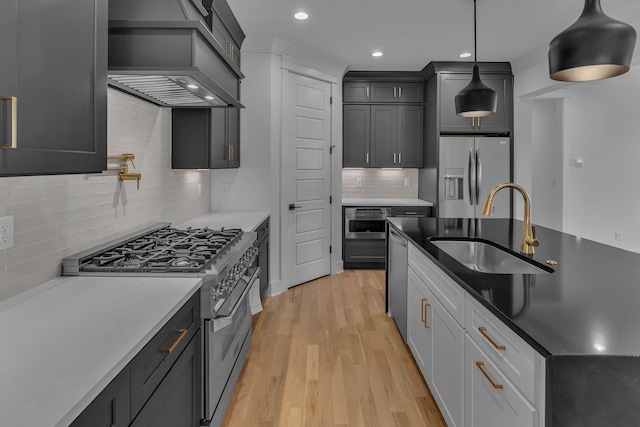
x=65 y=340
x=247 y=221
x=385 y=202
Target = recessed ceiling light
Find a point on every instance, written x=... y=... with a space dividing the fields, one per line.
x=192 y=86
x=209 y=97
x=465 y=55
x=377 y=53
x=301 y=16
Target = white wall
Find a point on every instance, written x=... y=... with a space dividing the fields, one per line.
x=599 y=124
x=56 y=216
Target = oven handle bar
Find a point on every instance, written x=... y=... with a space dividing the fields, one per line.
x=219 y=323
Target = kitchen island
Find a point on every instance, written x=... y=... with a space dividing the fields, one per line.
x=583 y=317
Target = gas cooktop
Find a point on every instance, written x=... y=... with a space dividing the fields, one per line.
x=165 y=249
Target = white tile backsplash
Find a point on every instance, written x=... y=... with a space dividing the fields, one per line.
x=56 y=216
x=379 y=183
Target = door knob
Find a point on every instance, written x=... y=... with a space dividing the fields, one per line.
x=292 y=207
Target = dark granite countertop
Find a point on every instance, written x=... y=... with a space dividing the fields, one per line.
x=589 y=306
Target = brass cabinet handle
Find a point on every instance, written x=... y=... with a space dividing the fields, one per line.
x=425 y=315
x=478 y=121
x=400 y=92
x=399 y=157
x=394 y=158
x=231 y=152
x=411 y=213
x=483 y=331
x=183 y=333
x=493 y=384
x=473 y=122
x=13 y=141
x=367 y=92
x=395 y=91
x=366 y=158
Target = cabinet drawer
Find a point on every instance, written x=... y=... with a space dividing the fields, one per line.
x=490 y=398
x=518 y=361
x=449 y=293
x=153 y=362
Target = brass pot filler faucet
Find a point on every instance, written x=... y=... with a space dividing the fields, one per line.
x=529 y=240
x=123 y=171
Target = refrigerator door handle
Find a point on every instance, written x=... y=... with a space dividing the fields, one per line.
x=472 y=178
x=478 y=176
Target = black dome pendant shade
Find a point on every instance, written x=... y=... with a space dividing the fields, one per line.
x=476 y=99
x=595 y=47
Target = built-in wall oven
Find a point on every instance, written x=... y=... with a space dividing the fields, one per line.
x=364 y=243
x=226 y=260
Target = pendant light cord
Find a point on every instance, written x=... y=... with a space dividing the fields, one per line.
x=475 y=36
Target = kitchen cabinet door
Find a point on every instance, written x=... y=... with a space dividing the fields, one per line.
x=111 y=408
x=450 y=122
x=53 y=86
x=356 y=135
x=396 y=136
x=491 y=399
x=419 y=319
x=355 y=92
x=176 y=401
x=383 y=136
x=397 y=92
x=410 y=133
x=205 y=138
x=263 y=256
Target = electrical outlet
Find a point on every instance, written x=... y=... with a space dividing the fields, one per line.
x=199 y=190
x=407 y=182
x=6 y=232
x=618 y=235
x=358 y=182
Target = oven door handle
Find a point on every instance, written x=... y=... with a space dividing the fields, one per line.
x=219 y=323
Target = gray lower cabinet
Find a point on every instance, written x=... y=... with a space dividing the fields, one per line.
x=112 y=407
x=53 y=86
x=396 y=136
x=161 y=386
x=263 y=256
x=205 y=138
x=176 y=401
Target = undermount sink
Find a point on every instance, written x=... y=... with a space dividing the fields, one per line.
x=487 y=257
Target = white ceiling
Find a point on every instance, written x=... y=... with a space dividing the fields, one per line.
x=411 y=33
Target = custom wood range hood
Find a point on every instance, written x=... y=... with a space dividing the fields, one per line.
x=164 y=51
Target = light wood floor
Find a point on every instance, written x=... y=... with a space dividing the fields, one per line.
x=325 y=354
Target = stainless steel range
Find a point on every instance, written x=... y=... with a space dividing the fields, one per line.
x=226 y=261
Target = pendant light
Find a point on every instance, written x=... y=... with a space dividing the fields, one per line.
x=595 y=47
x=476 y=99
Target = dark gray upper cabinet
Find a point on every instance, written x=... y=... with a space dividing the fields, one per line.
x=396 y=136
x=53 y=86
x=205 y=138
x=356 y=92
x=356 y=135
x=500 y=122
x=403 y=92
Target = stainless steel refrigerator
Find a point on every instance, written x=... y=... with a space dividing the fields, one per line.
x=468 y=168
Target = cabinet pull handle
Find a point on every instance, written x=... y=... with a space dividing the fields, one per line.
x=411 y=213
x=13 y=140
x=400 y=92
x=399 y=157
x=478 y=121
x=231 y=151
x=483 y=331
x=425 y=318
x=367 y=92
x=493 y=384
x=366 y=158
x=395 y=90
x=183 y=333
x=473 y=122
x=394 y=158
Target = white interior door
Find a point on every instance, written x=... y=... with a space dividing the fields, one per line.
x=306 y=179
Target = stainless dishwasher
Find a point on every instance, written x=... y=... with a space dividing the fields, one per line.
x=397 y=280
